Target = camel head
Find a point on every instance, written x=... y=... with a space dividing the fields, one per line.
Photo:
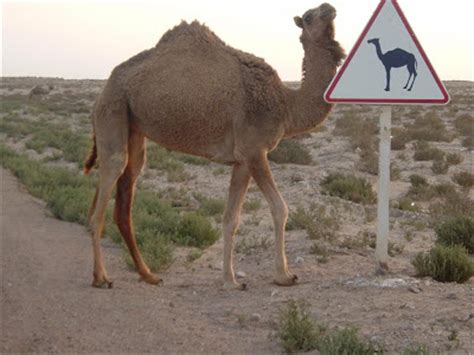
x=317 y=24
x=374 y=40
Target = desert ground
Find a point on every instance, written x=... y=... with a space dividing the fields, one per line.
x=48 y=304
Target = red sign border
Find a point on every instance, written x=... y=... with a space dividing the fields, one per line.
x=335 y=81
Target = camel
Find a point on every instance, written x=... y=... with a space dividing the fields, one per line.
x=396 y=58
x=194 y=94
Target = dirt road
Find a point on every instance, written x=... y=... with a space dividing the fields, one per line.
x=48 y=304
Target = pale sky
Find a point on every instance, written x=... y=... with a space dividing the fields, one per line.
x=87 y=39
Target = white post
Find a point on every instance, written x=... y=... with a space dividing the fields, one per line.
x=381 y=250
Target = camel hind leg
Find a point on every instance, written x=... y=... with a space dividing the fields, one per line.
x=109 y=172
x=238 y=187
x=124 y=200
x=111 y=129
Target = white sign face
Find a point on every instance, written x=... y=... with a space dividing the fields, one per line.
x=387 y=65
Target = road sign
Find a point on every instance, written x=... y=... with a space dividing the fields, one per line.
x=387 y=65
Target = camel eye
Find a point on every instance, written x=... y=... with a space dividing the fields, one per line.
x=307 y=19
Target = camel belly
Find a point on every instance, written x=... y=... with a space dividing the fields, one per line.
x=188 y=107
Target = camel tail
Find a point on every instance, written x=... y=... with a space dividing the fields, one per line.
x=91 y=160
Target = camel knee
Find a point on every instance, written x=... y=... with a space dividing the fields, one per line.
x=280 y=215
x=230 y=225
x=109 y=172
x=280 y=212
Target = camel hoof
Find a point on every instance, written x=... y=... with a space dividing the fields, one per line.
x=235 y=286
x=286 y=280
x=102 y=283
x=387 y=89
x=151 y=279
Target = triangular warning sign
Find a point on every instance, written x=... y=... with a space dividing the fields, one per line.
x=387 y=65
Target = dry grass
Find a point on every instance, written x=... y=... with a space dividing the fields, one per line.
x=429 y=127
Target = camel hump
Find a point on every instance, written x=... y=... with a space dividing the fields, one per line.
x=400 y=52
x=194 y=31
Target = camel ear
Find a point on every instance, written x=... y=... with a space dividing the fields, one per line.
x=298 y=21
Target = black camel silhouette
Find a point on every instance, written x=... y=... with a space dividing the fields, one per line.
x=396 y=58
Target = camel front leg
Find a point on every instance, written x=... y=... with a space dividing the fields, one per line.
x=238 y=187
x=387 y=70
x=260 y=170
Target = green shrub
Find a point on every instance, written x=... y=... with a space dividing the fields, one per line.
x=458 y=230
x=444 y=189
x=445 y=264
x=369 y=162
x=417 y=180
x=195 y=231
x=13 y=126
x=193 y=255
x=317 y=223
x=421 y=190
x=429 y=127
x=464 y=179
x=249 y=245
x=454 y=159
x=424 y=151
x=299 y=219
x=321 y=252
x=349 y=187
x=400 y=137
x=252 y=205
x=468 y=142
x=362 y=133
x=161 y=159
x=73 y=146
x=464 y=123
x=153 y=216
x=298 y=332
x=407 y=204
x=346 y=341
x=11 y=104
x=157 y=252
x=440 y=167
x=210 y=206
x=416 y=350
x=190 y=159
x=70 y=203
x=363 y=240
x=64 y=192
x=453 y=205
x=291 y=152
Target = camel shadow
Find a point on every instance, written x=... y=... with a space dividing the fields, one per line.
x=396 y=58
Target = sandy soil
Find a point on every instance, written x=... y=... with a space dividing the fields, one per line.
x=48 y=305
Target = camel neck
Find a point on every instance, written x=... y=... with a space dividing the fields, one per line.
x=379 y=50
x=307 y=106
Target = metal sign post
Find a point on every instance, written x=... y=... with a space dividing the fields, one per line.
x=383 y=222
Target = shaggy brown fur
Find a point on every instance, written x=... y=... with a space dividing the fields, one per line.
x=195 y=94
